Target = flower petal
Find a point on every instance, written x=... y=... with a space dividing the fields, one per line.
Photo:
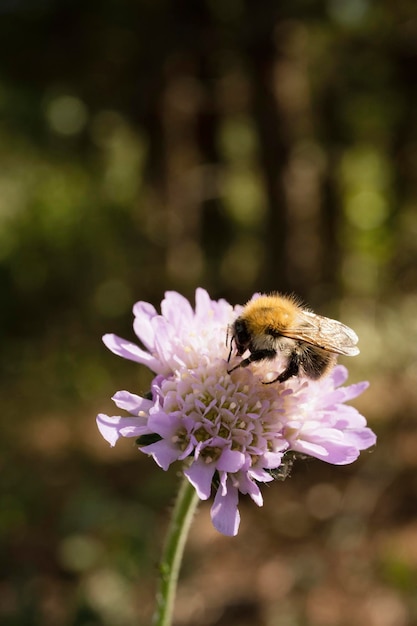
x=131 y=351
x=203 y=304
x=224 y=512
x=144 y=312
x=177 y=310
x=131 y=402
x=164 y=424
x=200 y=475
x=164 y=339
x=343 y=394
x=363 y=438
x=246 y=485
x=272 y=460
x=339 y=375
x=163 y=452
x=334 y=452
x=114 y=427
x=230 y=460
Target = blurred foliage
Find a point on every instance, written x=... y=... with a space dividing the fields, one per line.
x=241 y=146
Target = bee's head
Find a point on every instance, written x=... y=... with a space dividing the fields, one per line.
x=240 y=335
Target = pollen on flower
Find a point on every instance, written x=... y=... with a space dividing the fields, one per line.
x=230 y=432
x=224 y=431
x=210 y=455
x=180 y=436
x=201 y=435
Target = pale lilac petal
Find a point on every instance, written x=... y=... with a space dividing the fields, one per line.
x=114 y=427
x=224 y=512
x=363 y=439
x=334 y=452
x=164 y=425
x=339 y=454
x=246 y=485
x=131 y=402
x=144 y=312
x=177 y=310
x=164 y=337
x=260 y=475
x=343 y=394
x=144 y=309
x=339 y=375
x=108 y=427
x=163 y=452
x=272 y=460
x=230 y=460
x=223 y=482
x=203 y=304
x=200 y=475
x=131 y=351
x=223 y=311
x=344 y=417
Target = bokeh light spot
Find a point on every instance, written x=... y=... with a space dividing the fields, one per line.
x=66 y=115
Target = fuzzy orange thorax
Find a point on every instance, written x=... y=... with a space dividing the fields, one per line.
x=273 y=312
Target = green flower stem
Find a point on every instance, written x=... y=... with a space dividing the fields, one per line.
x=182 y=517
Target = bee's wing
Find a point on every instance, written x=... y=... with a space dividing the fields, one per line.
x=324 y=333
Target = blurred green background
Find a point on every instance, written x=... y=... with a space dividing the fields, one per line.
x=241 y=146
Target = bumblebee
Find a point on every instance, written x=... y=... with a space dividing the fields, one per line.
x=278 y=324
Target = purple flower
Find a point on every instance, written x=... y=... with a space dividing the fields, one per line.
x=229 y=430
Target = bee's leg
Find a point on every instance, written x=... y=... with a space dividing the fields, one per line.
x=292 y=369
x=231 y=343
x=258 y=355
